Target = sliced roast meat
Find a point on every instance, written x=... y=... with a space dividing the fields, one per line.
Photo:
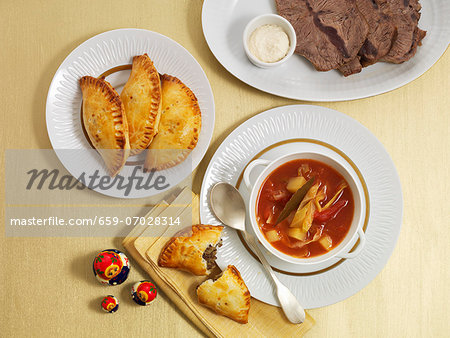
x=380 y=38
x=405 y=15
x=382 y=31
x=329 y=33
x=352 y=67
x=418 y=35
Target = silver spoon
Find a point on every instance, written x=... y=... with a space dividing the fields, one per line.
x=229 y=207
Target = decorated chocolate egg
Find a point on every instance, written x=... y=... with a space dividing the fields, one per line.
x=143 y=292
x=111 y=267
x=110 y=304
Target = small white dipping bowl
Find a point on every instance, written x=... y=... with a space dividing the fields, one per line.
x=356 y=228
x=269 y=19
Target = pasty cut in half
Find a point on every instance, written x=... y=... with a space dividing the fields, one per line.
x=141 y=98
x=105 y=122
x=179 y=126
x=195 y=253
x=227 y=295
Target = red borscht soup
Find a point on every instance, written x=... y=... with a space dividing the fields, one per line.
x=321 y=220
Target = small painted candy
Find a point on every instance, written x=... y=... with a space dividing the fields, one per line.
x=143 y=292
x=111 y=267
x=110 y=304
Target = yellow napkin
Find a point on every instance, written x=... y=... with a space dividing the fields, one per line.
x=179 y=286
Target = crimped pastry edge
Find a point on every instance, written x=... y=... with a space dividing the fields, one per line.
x=193 y=144
x=147 y=64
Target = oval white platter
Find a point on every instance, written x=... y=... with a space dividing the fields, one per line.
x=98 y=55
x=223 y=25
x=280 y=131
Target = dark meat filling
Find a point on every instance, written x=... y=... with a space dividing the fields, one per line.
x=210 y=255
x=214 y=278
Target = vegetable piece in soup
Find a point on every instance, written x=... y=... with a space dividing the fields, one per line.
x=321 y=220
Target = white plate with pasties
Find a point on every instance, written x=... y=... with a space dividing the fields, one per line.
x=111 y=54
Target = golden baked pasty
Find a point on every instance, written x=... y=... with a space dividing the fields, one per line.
x=195 y=253
x=179 y=126
x=105 y=122
x=141 y=98
x=227 y=295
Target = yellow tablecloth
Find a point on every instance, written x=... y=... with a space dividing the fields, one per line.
x=46 y=284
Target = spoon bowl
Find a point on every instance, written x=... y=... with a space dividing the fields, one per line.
x=228 y=205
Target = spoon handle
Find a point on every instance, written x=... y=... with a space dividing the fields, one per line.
x=252 y=242
x=289 y=303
